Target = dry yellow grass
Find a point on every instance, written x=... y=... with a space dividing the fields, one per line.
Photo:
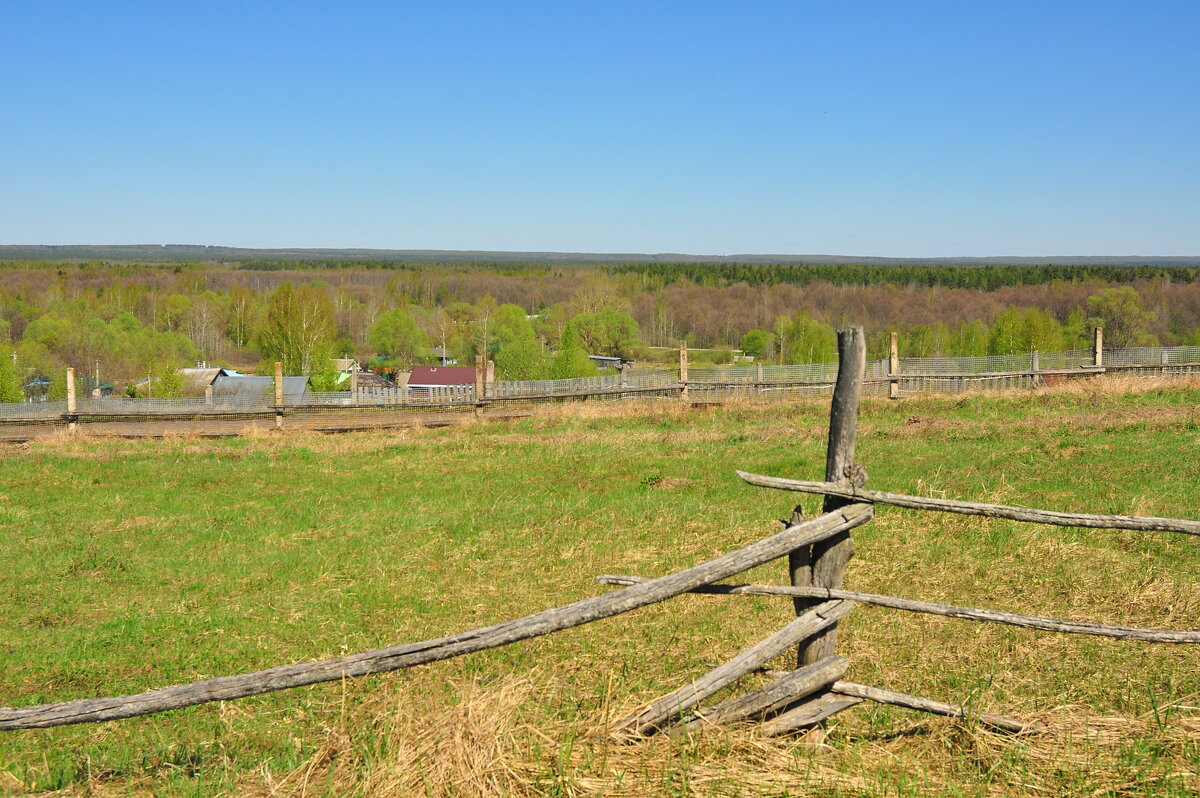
x=1122 y=720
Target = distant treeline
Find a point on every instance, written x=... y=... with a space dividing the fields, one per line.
x=982 y=278
x=136 y=323
x=500 y=267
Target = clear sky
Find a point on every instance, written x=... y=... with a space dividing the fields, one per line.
x=860 y=128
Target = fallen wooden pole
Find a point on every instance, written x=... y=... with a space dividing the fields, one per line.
x=758 y=703
x=934 y=608
x=848 y=491
x=751 y=659
x=225 y=688
x=929 y=705
x=809 y=713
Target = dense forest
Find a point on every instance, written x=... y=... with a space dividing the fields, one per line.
x=140 y=322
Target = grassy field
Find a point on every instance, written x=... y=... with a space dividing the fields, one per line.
x=128 y=565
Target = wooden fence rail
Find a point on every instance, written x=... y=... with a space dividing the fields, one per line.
x=893 y=377
x=224 y=688
x=818 y=552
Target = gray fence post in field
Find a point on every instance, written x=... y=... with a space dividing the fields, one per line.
x=208 y=395
x=683 y=369
x=478 y=384
x=1098 y=347
x=1035 y=366
x=278 y=395
x=71 y=399
x=824 y=563
x=353 y=383
x=894 y=366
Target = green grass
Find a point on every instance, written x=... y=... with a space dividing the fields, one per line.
x=128 y=565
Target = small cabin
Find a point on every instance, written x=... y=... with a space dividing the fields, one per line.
x=424 y=379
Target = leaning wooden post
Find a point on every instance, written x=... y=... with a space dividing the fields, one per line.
x=278 y=395
x=894 y=367
x=71 y=400
x=683 y=368
x=1098 y=347
x=824 y=564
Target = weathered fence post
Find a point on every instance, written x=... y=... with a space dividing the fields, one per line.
x=623 y=375
x=683 y=369
x=824 y=564
x=1035 y=366
x=353 y=383
x=1164 y=359
x=1098 y=347
x=208 y=394
x=489 y=378
x=278 y=395
x=758 y=383
x=478 y=384
x=71 y=400
x=894 y=367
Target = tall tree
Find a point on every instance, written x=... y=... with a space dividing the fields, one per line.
x=397 y=336
x=807 y=340
x=240 y=320
x=1124 y=318
x=755 y=343
x=570 y=360
x=298 y=328
x=1019 y=330
x=10 y=378
x=522 y=358
x=607 y=332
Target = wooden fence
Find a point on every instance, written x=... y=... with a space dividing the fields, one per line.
x=365 y=408
x=818 y=551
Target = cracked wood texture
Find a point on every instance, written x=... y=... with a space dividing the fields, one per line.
x=758 y=704
x=848 y=491
x=750 y=659
x=865 y=691
x=809 y=712
x=1182 y=636
x=824 y=563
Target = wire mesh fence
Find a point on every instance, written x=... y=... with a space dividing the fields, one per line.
x=1152 y=355
x=915 y=374
x=630 y=380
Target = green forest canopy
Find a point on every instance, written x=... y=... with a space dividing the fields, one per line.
x=147 y=319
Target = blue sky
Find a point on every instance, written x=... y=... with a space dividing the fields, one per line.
x=893 y=129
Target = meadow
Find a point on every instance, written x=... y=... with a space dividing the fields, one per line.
x=128 y=564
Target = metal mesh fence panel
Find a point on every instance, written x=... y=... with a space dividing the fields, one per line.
x=121 y=406
x=32 y=411
x=1151 y=355
x=936 y=374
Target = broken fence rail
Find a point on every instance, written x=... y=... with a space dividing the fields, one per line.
x=224 y=688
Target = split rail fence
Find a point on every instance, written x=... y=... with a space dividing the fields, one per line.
x=369 y=407
x=818 y=551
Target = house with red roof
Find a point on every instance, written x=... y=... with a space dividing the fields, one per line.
x=428 y=377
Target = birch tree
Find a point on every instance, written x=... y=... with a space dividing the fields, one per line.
x=298 y=328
